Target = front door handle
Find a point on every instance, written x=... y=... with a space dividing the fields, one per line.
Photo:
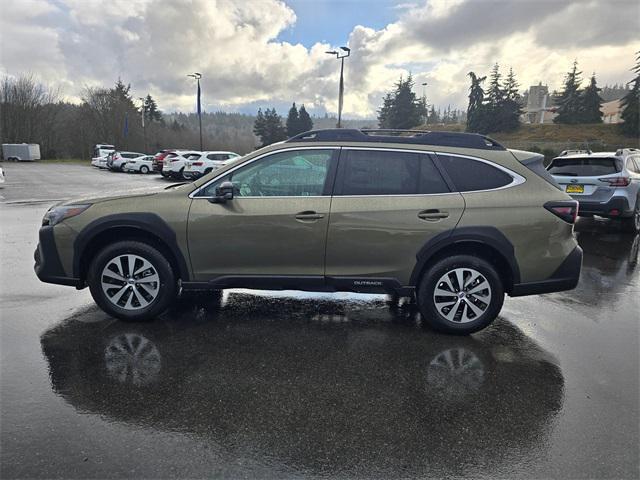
x=432 y=215
x=309 y=216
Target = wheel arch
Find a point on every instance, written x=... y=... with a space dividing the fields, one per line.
x=485 y=242
x=144 y=227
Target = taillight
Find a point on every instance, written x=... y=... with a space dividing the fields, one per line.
x=197 y=164
x=567 y=210
x=617 y=181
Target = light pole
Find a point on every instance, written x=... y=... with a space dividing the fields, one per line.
x=424 y=102
x=341 y=90
x=198 y=76
x=144 y=129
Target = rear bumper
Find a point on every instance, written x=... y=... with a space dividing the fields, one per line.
x=47 y=266
x=566 y=277
x=621 y=204
x=191 y=175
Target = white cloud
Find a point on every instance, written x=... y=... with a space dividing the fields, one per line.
x=154 y=43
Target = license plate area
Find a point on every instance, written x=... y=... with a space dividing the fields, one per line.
x=575 y=188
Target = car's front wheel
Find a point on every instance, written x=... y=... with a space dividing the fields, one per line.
x=460 y=295
x=132 y=281
x=144 y=169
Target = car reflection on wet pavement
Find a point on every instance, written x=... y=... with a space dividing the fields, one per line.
x=315 y=395
x=290 y=384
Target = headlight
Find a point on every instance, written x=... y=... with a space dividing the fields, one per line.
x=57 y=214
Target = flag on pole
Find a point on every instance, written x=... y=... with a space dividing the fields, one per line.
x=125 y=130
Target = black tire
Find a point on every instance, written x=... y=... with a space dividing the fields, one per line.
x=180 y=175
x=433 y=316
x=207 y=171
x=144 y=169
x=166 y=286
x=164 y=175
x=632 y=224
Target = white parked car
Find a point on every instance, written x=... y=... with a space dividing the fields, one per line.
x=207 y=162
x=173 y=164
x=117 y=160
x=99 y=162
x=140 y=165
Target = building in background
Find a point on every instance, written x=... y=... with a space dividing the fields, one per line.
x=539 y=107
x=611 y=111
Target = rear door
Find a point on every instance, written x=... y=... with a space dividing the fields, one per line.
x=386 y=205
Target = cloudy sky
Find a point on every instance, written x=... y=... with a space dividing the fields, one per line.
x=270 y=52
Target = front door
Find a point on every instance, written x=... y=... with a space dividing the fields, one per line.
x=387 y=204
x=276 y=224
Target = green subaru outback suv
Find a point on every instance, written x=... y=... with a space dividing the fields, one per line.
x=454 y=219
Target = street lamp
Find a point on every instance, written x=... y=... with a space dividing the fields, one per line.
x=144 y=129
x=341 y=57
x=198 y=76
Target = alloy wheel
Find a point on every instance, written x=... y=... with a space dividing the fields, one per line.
x=130 y=282
x=462 y=295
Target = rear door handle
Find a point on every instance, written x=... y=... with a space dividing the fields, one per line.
x=309 y=216
x=432 y=215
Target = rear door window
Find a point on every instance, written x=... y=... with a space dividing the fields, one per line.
x=583 y=166
x=469 y=175
x=379 y=172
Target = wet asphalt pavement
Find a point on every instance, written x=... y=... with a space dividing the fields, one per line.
x=288 y=384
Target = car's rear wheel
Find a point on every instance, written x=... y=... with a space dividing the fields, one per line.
x=632 y=224
x=460 y=295
x=132 y=281
x=144 y=169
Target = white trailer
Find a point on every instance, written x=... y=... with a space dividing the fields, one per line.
x=21 y=152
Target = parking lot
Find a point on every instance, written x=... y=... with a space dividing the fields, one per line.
x=290 y=384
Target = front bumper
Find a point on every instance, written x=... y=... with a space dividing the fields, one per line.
x=47 y=266
x=566 y=277
x=621 y=204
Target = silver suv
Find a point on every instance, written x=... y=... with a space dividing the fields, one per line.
x=606 y=184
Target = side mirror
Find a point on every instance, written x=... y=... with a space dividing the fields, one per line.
x=224 y=192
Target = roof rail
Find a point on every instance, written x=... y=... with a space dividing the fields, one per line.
x=564 y=153
x=413 y=137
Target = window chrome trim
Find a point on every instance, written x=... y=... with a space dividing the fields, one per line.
x=517 y=178
x=194 y=194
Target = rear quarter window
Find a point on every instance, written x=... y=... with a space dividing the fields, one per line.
x=469 y=175
x=583 y=167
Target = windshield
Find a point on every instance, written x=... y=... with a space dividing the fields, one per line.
x=583 y=167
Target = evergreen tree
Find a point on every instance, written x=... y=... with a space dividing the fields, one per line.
x=259 y=126
x=570 y=101
x=494 y=94
x=631 y=104
x=591 y=103
x=433 y=117
x=304 y=119
x=384 y=113
x=476 y=109
x=401 y=108
x=268 y=126
x=293 y=121
x=152 y=113
x=511 y=109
